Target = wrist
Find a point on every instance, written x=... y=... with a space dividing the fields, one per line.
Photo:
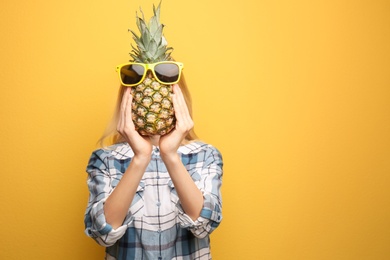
x=170 y=157
x=141 y=159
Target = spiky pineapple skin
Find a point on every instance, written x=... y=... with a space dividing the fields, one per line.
x=152 y=108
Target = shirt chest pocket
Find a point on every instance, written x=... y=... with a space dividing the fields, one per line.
x=137 y=206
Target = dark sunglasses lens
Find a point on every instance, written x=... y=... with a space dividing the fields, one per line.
x=132 y=74
x=167 y=72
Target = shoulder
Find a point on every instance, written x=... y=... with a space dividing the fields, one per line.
x=197 y=147
x=110 y=156
x=118 y=151
x=199 y=151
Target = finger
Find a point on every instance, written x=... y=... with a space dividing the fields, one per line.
x=124 y=103
x=181 y=110
x=128 y=113
x=177 y=103
x=122 y=116
x=183 y=105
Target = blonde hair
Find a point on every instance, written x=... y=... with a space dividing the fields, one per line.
x=111 y=135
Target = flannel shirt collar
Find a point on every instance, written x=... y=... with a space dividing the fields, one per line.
x=123 y=151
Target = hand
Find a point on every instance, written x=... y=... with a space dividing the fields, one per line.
x=141 y=145
x=170 y=143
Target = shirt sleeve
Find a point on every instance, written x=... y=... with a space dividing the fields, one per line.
x=99 y=185
x=210 y=185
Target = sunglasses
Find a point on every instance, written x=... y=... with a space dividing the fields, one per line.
x=165 y=72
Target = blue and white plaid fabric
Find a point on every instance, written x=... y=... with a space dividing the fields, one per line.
x=156 y=226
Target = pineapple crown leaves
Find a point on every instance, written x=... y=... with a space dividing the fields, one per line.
x=151 y=45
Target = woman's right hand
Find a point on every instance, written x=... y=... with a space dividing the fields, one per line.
x=141 y=145
x=118 y=203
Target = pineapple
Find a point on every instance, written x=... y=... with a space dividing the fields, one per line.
x=152 y=107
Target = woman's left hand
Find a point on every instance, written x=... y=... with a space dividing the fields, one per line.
x=170 y=143
x=191 y=198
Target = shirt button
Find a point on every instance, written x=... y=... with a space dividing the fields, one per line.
x=159 y=230
x=158 y=203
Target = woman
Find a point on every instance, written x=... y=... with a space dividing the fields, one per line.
x=154 y=197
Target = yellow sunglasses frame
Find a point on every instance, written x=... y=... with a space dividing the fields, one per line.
x=147 y=67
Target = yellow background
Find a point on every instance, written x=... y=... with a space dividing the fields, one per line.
x=295 y=94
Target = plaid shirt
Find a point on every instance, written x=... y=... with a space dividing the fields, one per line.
x=156 y=227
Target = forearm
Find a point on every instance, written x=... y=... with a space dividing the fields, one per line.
x=191 y=198
x=119 y=201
